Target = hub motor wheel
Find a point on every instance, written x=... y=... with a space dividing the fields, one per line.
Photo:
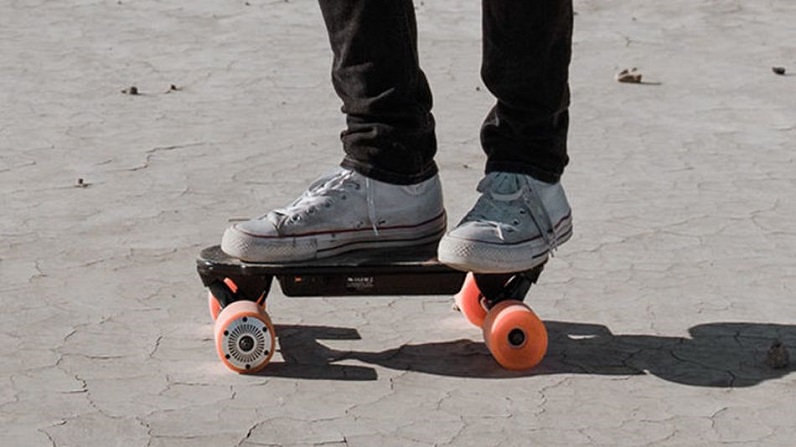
x=245 y=337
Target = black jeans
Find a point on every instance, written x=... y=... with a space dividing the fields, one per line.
x=387 y=100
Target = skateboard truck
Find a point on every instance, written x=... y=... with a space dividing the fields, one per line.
x=223 y=294
x=506 y=286
x=226 y=292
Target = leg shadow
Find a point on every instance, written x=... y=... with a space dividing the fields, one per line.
x=715 y=354
x=306 y=358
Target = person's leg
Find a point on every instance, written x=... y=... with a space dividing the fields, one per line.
x=387 y=193
x=522 y=213
x=527 y=46
x=386 y=97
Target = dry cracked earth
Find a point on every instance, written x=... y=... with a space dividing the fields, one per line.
x=661 y=309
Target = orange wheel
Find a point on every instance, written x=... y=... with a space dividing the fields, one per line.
x=213 y=305
x=468 y=300
x=516 y=337
x=245 y=337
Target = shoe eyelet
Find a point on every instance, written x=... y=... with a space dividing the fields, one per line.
x=343 y=197
x=515 y=222
x=327 y=204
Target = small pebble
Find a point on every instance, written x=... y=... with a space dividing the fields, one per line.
x=777 y=356
x=632 y=76
x=778 y=70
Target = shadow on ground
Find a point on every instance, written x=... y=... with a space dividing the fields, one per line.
x=715 y=355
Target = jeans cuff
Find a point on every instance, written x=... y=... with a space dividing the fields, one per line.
x=516 y=168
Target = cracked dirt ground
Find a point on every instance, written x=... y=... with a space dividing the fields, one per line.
x=660 y=309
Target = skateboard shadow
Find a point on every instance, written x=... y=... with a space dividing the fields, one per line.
x=306 y=358
x=714 y=355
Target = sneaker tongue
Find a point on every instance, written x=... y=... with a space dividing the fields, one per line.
x=501 y=186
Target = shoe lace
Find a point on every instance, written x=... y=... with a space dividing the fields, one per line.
x=516 y=187
x=324 y=192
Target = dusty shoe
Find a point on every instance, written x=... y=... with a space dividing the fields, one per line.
x=513 y=226
x=341 y=212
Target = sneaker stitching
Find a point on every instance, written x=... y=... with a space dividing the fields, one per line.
x=341 y=231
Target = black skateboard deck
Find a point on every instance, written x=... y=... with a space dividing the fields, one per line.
x=383 y=272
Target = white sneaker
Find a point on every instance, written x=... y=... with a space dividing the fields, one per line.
x=513 y=226
x=341 y=212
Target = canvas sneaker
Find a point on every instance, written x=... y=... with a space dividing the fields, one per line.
x=515 y=224
x=340 y=212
